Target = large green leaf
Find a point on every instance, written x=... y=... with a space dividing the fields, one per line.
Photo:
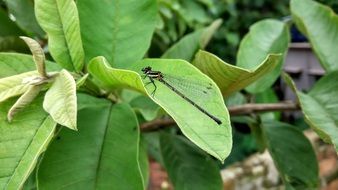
x=59 y=19
x=60 y=100
x=230 y=78
x=112 y=79
x=196 y=125
x=212 y=137
x=265 y=37
x=320 y=107
x=320 y=25
x=121 y=30
x=14 y=63
x=14 y=86
x=191 y=43
x=23 y=11
x=103 y=154
x=188 y=168
x=21 y=142
x=293 y=155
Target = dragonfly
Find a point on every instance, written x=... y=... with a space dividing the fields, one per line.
x=159 y=76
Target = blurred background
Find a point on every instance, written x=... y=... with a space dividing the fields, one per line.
x=178 y=18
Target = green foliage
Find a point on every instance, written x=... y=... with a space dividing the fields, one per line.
x=298 y=172
x=310 y=16
x=122 y=32
x=233 y=78
x=187 y=166
x=265 y=37
x=97 y=88
x=319 y=108
x=22 y=142
x=59 y=19
x=88 y=159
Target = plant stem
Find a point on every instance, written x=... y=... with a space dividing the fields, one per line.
x=244 y=109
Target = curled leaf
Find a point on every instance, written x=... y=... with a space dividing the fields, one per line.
x=38 y=55
x=24 y=100
x=60 y=100
x=81 y=81
x=14 y=86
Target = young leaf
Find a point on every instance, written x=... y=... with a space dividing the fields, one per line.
x=24 y=100
x=38 y=55
x=293 y=155
x=59 y=19
x=81 y=81
x=320 y=25
x=120 y=31
x=319 y=108
x=188 y=168
x=14 y=86
x=103 y=129
x=22 y=142
x=230 y=78
x=60 y=100
x=265 y=37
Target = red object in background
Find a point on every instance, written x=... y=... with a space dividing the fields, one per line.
x=158 y=177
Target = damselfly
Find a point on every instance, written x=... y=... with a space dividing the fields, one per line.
x=157 y=75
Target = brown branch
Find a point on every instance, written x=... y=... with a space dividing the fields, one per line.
x=244 y=109
x=258 y=108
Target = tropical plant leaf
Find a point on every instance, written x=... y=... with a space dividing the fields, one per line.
x=24 y=100
x=60 y=100
x=112 y=79
x=204 y=131
x=213 y=137
x=103 y=129
x=15 y=63
x=143 y=104
x=299 y=171
x=14 y=86
x=59 y=19
x=21 y=142
x=120 y=31
x=187 y=47
x=188 y=168
x=265 y=37
x=320 y=25
x=23 y=11
x=319 y=108
x=38 y=55
x=230 y=78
